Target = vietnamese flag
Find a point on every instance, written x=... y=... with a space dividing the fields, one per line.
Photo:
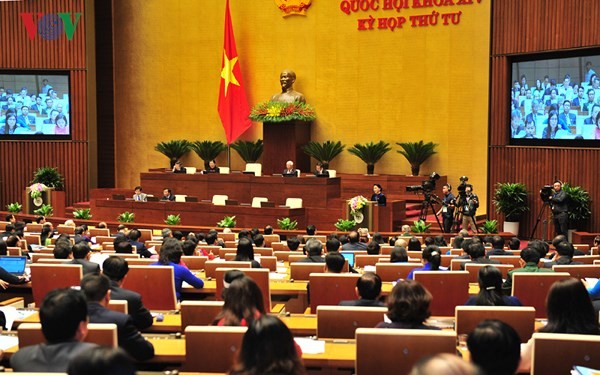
x=233 y=105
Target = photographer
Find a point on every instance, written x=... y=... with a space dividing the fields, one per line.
x=559 y=204
x=471 y=203
x=447 y=209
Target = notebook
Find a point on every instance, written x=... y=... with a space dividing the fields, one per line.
x=14 y=264
x=349 y=256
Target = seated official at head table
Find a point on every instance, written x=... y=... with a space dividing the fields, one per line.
x=167 y=195
x=178 y=168
x=139 y=196
x=289 y=170
x=320 y=171
x=212 y=167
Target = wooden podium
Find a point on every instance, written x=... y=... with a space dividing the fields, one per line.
x=52 y=197
x=367 y=213
x=283 y=141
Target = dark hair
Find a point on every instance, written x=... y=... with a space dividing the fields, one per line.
x=188 y=247
x=313 y=247
x=514 y=243
x=268 y=348
x=95 y=287
x=565 y=249
x=243 y=301
x=123 y=247
x=332 y=244
x=570 y=309
x=335 y=262
x=39 y=218
x=311 y=229
x=440 y=241
x=61 y=313
x=102 y=360
x=490 y=287
x=177 y=235
x=343 y=239
x=259 y=240
x=78 y=230
x=3 y=248
x=353 y=237
x=244 y=233
x=432 y=255
x=398 y=255
x=170 y=251
x=373 y=248
x=409 y=303
x=62 y=249
x=115 y=268
x=476 y=250
x=268 y=229
x=495 y=347
x=540 y=246
x=81 y=250
x=497 y=242
x=210 y=238
x=414 y=244
x=457 y=243
x=245 y=251
x=428 y=241
x=369 y=285
x=558 y=239
x=293 y=243
x=134 y=234
x=379 y=186
x=530 y=255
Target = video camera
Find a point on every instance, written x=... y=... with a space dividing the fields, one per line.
x=546 y=192
x=463 y=186
x=427 y=186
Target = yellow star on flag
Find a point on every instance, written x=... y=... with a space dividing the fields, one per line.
x=227 y=72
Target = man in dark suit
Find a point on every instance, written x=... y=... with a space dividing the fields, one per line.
x=167 y=195
x=96 y=289
x=477 y=254
x=313 y=250
x=353 y=243
x=320 y=171
x=116 y=268
x=133 y=238
x=563 y=256
x=498 y=247
x=81 y=254
x=368 y=289
x=289 y=170
x=63 y=315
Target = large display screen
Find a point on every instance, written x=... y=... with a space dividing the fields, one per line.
x=34 y=105
x=556 y=100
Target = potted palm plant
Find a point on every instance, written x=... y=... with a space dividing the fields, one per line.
x=249 y=151
x=48 y=176
x=510 y=199
x=416 y=153
x=370 y=153
x=579 y=206
x=174 y=149
x=208 y=150
x=325 y=152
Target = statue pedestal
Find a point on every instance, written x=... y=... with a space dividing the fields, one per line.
x=283 y=141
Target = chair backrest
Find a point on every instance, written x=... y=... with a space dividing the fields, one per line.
x=256 y=201
x=473 y=270
x=223 y=170
x=95 y=232
x=270 y=238
x=210 y=267
x=521 y=318
x=455 y=264
x=254 y=167
x=341 y=322
x=228 y=236
x=32 y=239
x=331 y=288
x=260 y=277
x=122 y=255
x=332 y=172
x=46 y=277
x=34 y=227
x=395 y=351
x=140 y=261
x=53 y=261
x=180 y=197
x=283 y=255
x=199 y=313
x=61 y=228
x=302 y=271
x=362 y=260
x=119 y=305
x=557 y=353
x=190 y=170
x=579 y=271
x=395 y=271
x=104 y=334
x=586 y=259
x=194 y=262
x=146 y=235
x=156 y=284
x=227 y=254
x=102 y=239
x=202 y=342
x=269 y=262
x=14 y=251
x=532 y=288
x=508 y=259
x=263 y=251
x=449 y=289
x=35 y=257
x=446 y=259
x=219 y=199
x=293 y=202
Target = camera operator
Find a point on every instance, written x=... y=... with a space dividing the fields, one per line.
x=559 y=204
x=447 y=209
x=470 y=209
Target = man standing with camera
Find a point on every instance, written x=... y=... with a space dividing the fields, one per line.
x=447 y=209
x=470 y=209
x=559 y=203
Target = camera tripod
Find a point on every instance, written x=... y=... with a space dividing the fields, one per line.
x=539 y=218
x=428 y=202
x=458 y=216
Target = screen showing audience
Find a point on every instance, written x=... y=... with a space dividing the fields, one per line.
x=34 y=105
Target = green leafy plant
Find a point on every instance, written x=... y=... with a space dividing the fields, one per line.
x=173 y=220
x=345 y=225
x=82 y=214
x=44 y=210
x=287 y=224
x=579 y=204
x=274 y=111
x=126 y=217
x=510 y=199
x=208 y=150
x=227 y=222
x=48 y=176
x=174 y=149
x=489 y=227
x=370 y=153
x=420 y=226
x=325 y=152
x=416 y=153
x=14 y=208
x=249 y=151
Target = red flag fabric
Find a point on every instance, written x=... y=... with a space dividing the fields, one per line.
x=233 y=105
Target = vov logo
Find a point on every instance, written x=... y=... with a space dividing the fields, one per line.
x=50 y=26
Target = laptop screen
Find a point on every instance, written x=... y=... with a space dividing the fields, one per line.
x=14 y=264
x=350 y=257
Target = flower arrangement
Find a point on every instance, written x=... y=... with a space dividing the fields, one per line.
x=36 y=190
x=357 y=203
x=273 y=111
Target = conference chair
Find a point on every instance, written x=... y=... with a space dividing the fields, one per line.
x=293 y=202
x=455 y=264
x=14 y=251
x=35 y=257
x=139 y=261
x=46 y=277
x=256 y=201
x=268 y=262
x=118 y=305
x=557 y=353
x=61 y=228
x=254 y=167
x=297 y=256
x=180 y=197
x=508 y=259
x=386 y=249
x=395 y=271
x=194 y=262
x=53 y=261
x=415 y=254
x=104 y=334
x=219 y=200
x=32 y=239
x=579 y=271
x=302 y=271
x=331 y=288
x=395 y=351
x=95 y=232
x=199 y=313
x=156 y=284
x=100 y=240
x=521 y=318
x=446 y=260
x=362 y=260
x=210 y=267
x=122 y=255
x=223 y=170
x=341 y=322
x=283 y=256
x=34 y=228
x=263 y=251
x=202 y=342
x=583 y=247
x=586 y=259
x=449 y=289
x=227 y=236
x=260 y=277
x=227 y=254
x=146 y=235
x=190 y=170
x=473 y=270
x=532 y=288
x=270 y=238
